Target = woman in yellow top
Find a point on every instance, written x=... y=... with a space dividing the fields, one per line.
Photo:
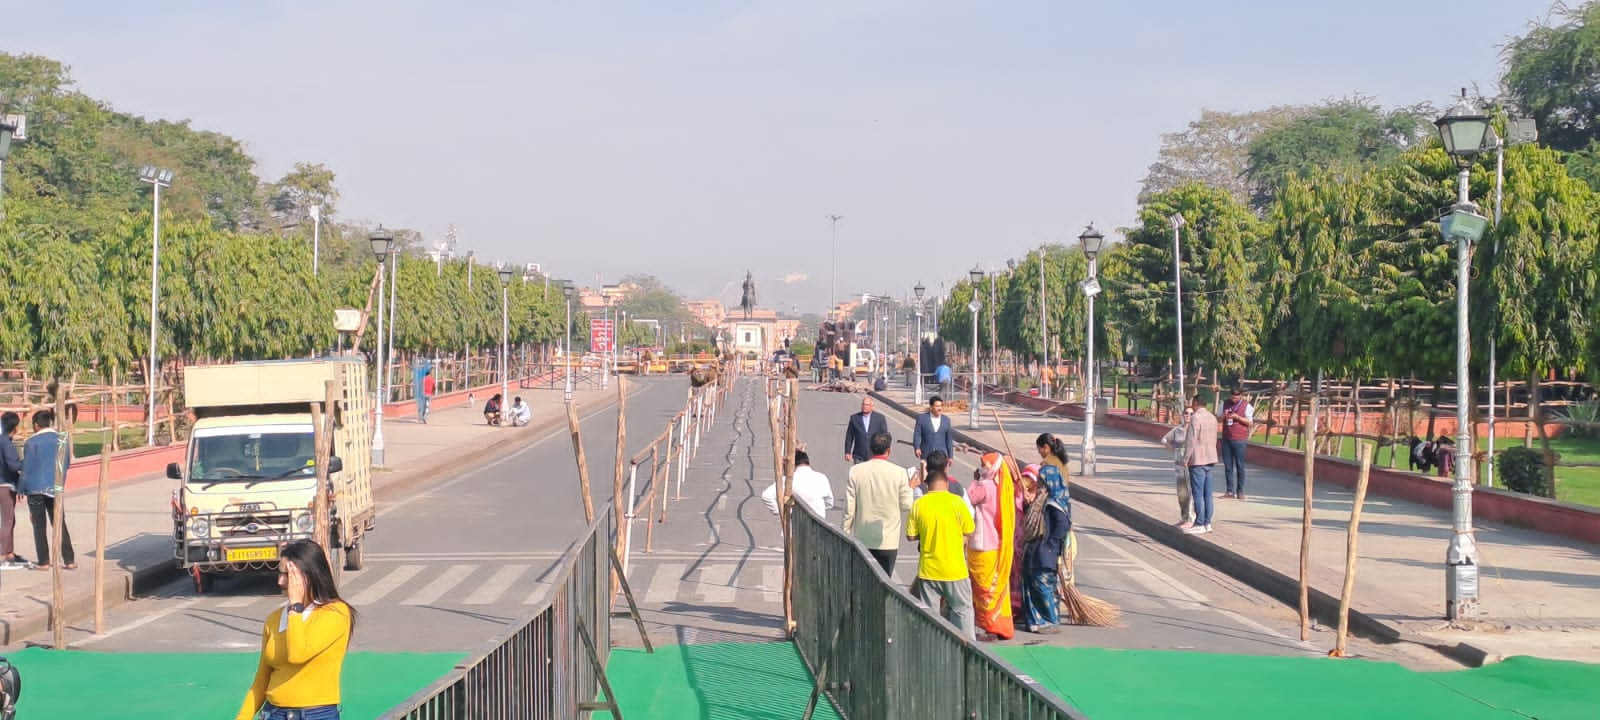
x=303 y=643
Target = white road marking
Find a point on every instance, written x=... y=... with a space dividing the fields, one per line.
x=385 y=585
x=136 y=624
x=772 y=583
x=664 y=584
x=539 y=589
x=715 y=584
x=443 y=584
x=498 y=583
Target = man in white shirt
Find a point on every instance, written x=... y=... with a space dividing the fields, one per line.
x=809 y=487
x=520 y=413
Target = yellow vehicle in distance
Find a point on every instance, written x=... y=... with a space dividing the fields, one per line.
x=248 y=482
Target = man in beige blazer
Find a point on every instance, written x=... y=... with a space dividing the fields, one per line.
x=1199 y=456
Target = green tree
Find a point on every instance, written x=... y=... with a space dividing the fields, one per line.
x=1213 y=150
x=1553 y=72
x=1221 y=313
x=1344 y=134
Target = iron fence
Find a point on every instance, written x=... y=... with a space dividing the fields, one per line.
x=878 y=653
x=550 y=665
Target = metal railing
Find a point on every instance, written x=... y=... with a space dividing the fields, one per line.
x=679 y=441
x=551 y=664
x=876 y=652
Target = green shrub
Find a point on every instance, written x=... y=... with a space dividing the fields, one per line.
x=1522 y=470
x=1581 y=417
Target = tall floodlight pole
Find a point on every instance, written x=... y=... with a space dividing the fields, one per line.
x=505 y=338
x=833 y=277
x=566 y=354
x=316 y=238
x=158 y=178
x=1177 y=222
x=918 y=291
x=1092 y=242
x=1518 y=131
x=1044 y=332
x=976 y=275
x=381 y=240
x=1463 y=130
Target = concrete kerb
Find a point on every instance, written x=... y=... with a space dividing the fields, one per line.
x=1280 y=586
x=140 y=580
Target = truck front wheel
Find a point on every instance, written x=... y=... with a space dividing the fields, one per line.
x=354 y=557
x=202 y=580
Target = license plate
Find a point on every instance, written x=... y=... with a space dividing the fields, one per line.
x=250 y=507
x=252 y=554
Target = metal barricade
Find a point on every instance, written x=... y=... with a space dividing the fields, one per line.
x=550 y=665
x=878 y=653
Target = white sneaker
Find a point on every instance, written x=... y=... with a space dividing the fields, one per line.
x=1196 y=530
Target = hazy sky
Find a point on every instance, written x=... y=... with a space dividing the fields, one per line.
x=696 y=140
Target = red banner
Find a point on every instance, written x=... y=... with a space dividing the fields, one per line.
x=601 y=339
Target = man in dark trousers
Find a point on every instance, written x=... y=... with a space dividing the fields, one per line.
x=1237 y=416
x=933 y=432
x=859 y=431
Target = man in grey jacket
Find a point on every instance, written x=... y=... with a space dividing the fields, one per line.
x=1199 y=455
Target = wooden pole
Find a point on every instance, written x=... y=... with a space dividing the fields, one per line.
x=619 y=511
x=583 y=464
x=1305 y=515
x=322 y=431
x=58 y=596
x=101 y=495
x=1365 y=451
x=793 y=440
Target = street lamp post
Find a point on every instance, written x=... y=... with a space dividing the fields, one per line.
x=1092 y=242
x=566 y=354
x=1463 y=130
x=918 y=291
x=1178 y=222
x=158 y=178
x=381 y=240
x=316 y=237
x=505 y=339
x=976 y=275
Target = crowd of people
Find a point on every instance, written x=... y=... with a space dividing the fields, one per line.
x=987 y=552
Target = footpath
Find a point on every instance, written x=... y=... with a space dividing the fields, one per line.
x=1538 y=590
x=139 y=534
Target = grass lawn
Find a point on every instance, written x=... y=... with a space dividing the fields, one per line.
x=85 y=444
x=1578 y=485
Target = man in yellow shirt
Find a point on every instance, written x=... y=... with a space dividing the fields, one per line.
x=940 y=523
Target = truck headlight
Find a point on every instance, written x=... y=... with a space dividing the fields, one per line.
x=304 y=522
x=200 y=527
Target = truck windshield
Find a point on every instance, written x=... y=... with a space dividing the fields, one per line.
x=252 y=456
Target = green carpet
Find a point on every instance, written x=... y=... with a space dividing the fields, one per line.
x=1149 y=684
x=112 y=686
x=719 y=681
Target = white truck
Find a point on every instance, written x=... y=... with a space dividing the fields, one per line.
x=248 y=483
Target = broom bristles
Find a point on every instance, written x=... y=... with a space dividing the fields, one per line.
x=1080 y=608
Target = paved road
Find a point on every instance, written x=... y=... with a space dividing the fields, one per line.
x=447 y=568
x=719 y=578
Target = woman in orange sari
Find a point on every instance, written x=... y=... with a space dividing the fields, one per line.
x=992 y=547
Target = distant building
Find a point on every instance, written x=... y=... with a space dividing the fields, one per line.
x=709 y=313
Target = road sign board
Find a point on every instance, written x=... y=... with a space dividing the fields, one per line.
x=601 y=338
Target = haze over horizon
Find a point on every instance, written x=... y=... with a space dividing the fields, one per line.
x=697 y=143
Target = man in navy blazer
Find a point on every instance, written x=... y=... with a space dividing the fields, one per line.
x=933 y=431
x=859 y=431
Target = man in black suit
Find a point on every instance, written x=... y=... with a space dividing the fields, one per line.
x=933 y=431
x=859 y=431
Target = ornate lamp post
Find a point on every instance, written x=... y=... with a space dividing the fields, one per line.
x=381 y=241
x=976 y=275
x=1092 y=242
x=1463 y=130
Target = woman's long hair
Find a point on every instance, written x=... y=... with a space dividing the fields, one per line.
x=1057 y=448
x=314 y=567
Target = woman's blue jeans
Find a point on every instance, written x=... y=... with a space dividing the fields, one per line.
x=321 y=712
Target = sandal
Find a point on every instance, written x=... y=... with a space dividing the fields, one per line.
x=70 y=566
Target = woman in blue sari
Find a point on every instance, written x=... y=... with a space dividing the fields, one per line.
x=1045 y=525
